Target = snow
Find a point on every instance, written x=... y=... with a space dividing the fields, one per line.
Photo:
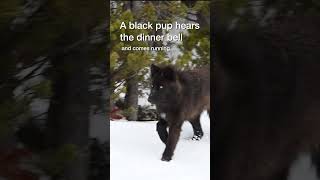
x=98 y=125
x=39 y=106
x=135 y=152
x=34 y=80
x=24 y=72
x=143 y=99
x=303 y=169
x=136 y=149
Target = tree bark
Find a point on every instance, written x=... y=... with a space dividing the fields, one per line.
x=131 y=99
x=68 y=117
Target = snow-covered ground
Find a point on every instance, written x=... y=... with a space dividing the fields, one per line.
x=135 y=152
x=302 y=169
x=136 y=149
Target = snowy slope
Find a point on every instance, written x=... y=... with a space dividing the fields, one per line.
x=302 y=169
x=135 y=152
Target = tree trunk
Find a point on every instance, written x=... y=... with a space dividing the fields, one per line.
x=131 y=99
x=68 y=118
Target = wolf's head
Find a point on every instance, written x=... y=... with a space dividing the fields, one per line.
x=165 y=87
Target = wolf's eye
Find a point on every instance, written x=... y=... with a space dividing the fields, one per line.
x=160 y=87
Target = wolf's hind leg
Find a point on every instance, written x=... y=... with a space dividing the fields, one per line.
x=197 y=130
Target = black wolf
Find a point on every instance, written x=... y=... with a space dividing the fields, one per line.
x=179 y=96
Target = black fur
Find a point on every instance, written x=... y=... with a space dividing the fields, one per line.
x=180 y=96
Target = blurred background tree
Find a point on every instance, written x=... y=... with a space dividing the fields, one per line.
x=53 y=81
x=286 y=32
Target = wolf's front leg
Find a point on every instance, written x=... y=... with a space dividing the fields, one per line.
x=174 y=134
x=162 y=130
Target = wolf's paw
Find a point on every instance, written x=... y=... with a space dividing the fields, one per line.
x=196 y=138
x=166 y=158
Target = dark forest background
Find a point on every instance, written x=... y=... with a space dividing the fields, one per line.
x=267 y=42
x=53 y=83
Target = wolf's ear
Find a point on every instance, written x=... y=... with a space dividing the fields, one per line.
x=169 y=73
x=154 y=70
